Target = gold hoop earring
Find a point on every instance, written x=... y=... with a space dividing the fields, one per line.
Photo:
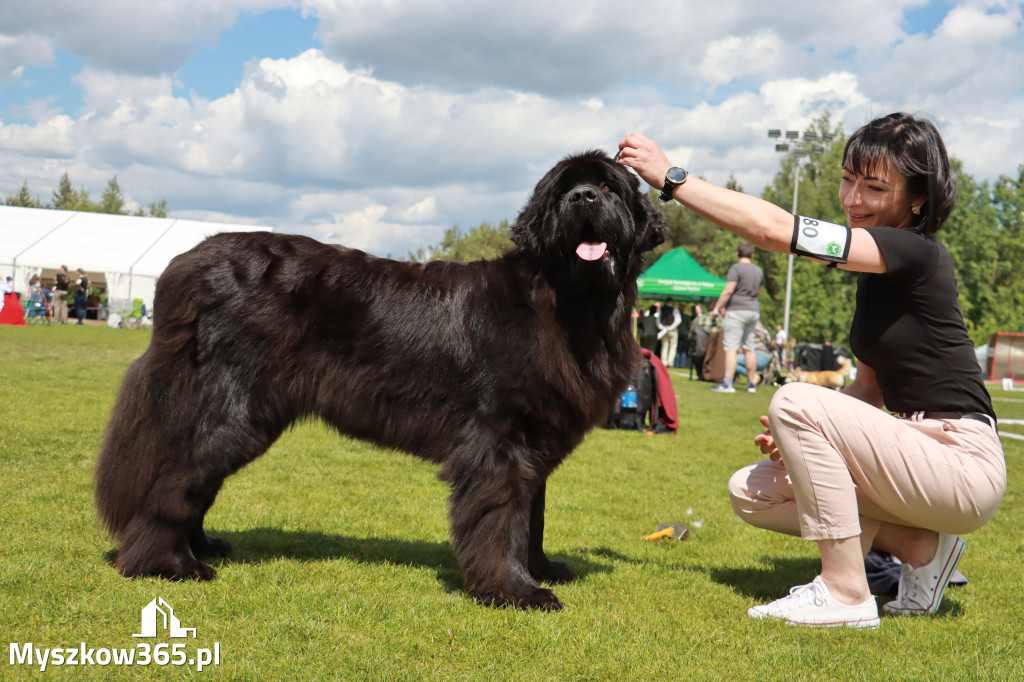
x=915 y=209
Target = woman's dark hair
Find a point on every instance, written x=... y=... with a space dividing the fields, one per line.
x=914 y=148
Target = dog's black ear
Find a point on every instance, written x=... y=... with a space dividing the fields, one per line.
x=524 y=232
x=650 y=223
x=526 y=229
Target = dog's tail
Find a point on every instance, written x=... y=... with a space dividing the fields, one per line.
x=126 y=468
x=144 y=433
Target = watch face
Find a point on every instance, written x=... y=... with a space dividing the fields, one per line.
x=676 y=174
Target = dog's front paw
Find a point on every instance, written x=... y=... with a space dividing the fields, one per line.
x=195 y=570
x=541 y=599
x=538 y=598
x=211 y=547
x=552 y=572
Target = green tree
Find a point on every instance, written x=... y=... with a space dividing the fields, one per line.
x=113 y=200
x=23 y=198
x=158 y=209
x=972 y=237
x=1007 y=310
x=82 y=202
x=483 y=241
x=64 y=197
x=67 y=198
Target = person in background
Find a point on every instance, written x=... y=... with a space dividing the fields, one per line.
x=710 y=320
x=741 y=310
x=81 y=295
x=60 y=296
x=683 y=345
x=838 y=470
x=780 y=344
x=763 y=350
x=649 y=328
x=48 y=302
x=668 y=324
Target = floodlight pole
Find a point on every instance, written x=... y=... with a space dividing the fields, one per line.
x=789 y=263
x=798 y=151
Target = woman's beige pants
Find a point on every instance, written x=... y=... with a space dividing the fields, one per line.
x=843 y=459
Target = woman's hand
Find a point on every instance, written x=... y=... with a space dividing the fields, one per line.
x=642 y=154
x=767 y=443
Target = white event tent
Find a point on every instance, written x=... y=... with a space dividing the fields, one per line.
x=130 y=251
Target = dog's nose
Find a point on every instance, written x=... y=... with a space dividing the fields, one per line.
x=583 y=195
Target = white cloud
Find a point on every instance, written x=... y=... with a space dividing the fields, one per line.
x=738 y=58
x=421 y=212
x=972 y=64
x=53 y=137
x=134 y=37
x=973 y=25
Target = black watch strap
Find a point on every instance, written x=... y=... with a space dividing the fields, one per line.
x=673 y=178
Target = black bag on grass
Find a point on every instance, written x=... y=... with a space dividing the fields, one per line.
x=634 y=405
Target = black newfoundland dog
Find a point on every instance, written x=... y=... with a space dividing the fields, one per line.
x=493 y=369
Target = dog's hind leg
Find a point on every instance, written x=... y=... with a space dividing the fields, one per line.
x=541 y=568
x=165 y=536
x=491 y=535
x=203 y=545
x=156 y=541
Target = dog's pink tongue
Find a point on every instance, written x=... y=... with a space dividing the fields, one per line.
x=589 y=251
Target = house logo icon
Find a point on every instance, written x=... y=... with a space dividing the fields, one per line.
x=159 y=612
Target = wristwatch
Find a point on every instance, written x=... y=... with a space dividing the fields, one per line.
x=673 y=178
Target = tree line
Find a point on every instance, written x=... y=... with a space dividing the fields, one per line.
x=984 y=235
x=66 y=198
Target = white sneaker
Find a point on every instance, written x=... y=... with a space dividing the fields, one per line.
x=723 y=388
x=812 y=605
x=921 y=589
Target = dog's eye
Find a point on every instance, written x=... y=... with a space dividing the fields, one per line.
x=561 y=197
x=606 y=187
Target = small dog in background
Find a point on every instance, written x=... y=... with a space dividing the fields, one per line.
x=835 y=379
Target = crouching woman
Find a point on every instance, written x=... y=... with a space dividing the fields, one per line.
x=839 y=469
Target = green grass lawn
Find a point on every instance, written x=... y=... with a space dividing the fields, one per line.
x=343 y=570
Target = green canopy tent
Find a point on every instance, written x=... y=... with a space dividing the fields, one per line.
x=677 y=276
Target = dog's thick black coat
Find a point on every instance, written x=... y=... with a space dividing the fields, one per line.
x=493 y=369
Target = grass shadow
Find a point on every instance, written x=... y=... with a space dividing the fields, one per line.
x=775 y=576
x=770 y=580
x=259 y=545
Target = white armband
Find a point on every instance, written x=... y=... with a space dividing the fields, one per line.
x=819 y=239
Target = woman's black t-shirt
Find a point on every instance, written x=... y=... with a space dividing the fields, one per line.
x=908 y=328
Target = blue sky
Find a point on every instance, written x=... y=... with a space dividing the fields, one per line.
x=275 y=34
x=214 y=71
x=51 y=83
x=379 y=125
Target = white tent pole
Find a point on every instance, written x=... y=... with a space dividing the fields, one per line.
x=142 y=255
